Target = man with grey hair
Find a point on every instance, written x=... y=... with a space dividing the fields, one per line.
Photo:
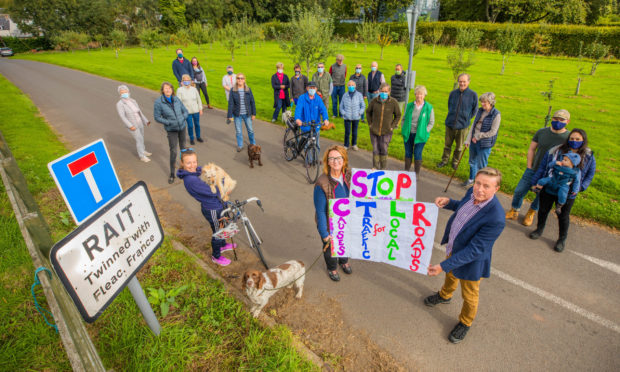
x=134 y=120
x=462 y=106
x=375 y=79
x=338 y=71
x=229 y=80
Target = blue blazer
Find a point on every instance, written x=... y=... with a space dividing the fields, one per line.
x=471 y=252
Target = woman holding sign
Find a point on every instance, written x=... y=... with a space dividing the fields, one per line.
x=417 y=124
x=335 y=182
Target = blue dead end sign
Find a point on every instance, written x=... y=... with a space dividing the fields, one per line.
x=86 y=179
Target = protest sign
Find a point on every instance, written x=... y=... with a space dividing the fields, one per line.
x=396 y=232
x=383 y=184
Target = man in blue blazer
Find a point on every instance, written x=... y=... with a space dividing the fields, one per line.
x=477 y=222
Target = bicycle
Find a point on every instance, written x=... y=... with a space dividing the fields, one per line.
x=234 y=214
x=301 y=143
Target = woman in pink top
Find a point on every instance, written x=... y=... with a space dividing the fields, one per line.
x=280 y=84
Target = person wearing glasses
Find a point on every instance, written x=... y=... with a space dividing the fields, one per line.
x=242 y=108
x=335 y=182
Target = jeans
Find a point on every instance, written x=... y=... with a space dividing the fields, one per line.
x=138 y=135
x=193 y=121
x=175 y=137
x=546 y=202
x=478 y=158
x=337 y=94
x=279 y=106
x=347 y=132
x=213 y=215
x=524 y=185
x=203 y=87
x=239 y=120
x=413 y=149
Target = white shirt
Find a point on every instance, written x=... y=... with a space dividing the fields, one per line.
x=228 y=81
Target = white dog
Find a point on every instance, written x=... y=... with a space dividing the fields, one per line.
x=260 y=286
x=287 y=115
x=216 y=177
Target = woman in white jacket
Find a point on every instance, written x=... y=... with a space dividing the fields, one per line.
x=191 y=100
x=134 y=119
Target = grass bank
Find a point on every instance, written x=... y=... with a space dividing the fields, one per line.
x=208 y=330
x=518 y=98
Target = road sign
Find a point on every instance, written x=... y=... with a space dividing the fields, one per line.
x=97 y=260
x=86 y=179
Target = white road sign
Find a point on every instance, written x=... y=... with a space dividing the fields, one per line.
x=97 y=259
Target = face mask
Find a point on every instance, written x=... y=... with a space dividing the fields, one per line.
x=557 y=125
x=195 y=63
x=373 y=69
x=398 y=72
x=125 y=95
x=383 y=95
x=280 y=71
x=575 y=144
x=358 y=70
x=186 y=82
x=297 y=73
x=351 y=89
x=180 y=55
x=320 y=70
x=311 y=92
x=229 y=72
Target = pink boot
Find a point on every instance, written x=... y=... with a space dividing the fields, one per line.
x=228 y=247
x=222 y=261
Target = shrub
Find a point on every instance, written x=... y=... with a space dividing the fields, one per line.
x=20 y=45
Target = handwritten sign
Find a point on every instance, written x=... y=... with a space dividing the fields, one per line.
x=399 y=233
x=383 y=184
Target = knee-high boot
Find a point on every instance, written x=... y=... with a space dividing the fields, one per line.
x=383 y=159
x=417 y=165
x=407 y=164
x=376 y=163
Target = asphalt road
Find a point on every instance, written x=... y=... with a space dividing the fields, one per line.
x=540 y=310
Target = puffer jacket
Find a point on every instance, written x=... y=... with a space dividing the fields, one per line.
x=352 y=108
x=171 y=115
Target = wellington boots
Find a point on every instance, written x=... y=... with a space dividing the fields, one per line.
x=376 y=162
x=417 y=165
x=407 y=164
x=383 y=159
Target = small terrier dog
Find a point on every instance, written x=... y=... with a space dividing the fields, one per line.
x=254 y=154
x=217 y=178
x=260 y=286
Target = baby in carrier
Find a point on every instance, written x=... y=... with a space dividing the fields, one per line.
x=563 y=177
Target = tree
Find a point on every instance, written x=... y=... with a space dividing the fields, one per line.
x=540 y=44
x=368 y=32
x=507 y=42
x=70 y=40
x=549 y=96
x=384 y=39
x=149 y=39
x=117 y=38
x=467 y=41
x=417 y=45
x=311 y=36
x=436 y=36
x=580 y=67
x=182 y=37
x=597 y=51
x=231 y=38
x=375 y=10
x=198 y=34
x=172 y=15
x=100 y=39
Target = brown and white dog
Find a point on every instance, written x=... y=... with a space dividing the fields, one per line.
x=254 y=154
x=260 y=286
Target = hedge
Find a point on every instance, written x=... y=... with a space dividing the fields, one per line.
x=564 y=38
x=21 y=45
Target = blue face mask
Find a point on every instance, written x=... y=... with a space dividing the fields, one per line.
x=320 y=69
x=311 y=92
x=229 y=72
x=180 y=55
x=125 y=95
x=575 y=144
x=358 y=70
x=351 y=89
x=373 y=69
x=557 y=125
x=383 y=95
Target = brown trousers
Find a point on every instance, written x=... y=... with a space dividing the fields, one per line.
x=469 y=291
x=454 y=135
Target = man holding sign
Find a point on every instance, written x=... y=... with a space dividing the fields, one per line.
x=470 y=234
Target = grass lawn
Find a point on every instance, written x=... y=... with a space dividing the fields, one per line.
x=209 y=330
x=518 y=95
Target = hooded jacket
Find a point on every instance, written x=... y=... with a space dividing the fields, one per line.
x=199 y=190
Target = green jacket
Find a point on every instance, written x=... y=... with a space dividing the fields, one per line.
x=422 y=134
x=323 y=83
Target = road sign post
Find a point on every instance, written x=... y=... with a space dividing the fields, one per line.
x=412 y=17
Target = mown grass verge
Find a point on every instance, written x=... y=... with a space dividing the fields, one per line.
x=209 y=330
x=518 y=98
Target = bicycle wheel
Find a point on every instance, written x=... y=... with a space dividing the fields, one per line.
x=255 y=242
x=312 y=163
x=289 y=145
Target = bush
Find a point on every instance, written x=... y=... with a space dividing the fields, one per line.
x=20 y=45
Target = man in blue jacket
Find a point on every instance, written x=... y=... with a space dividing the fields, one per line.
x=462 y=106
x=477 y=222
x=311 y=108
x=182 y=66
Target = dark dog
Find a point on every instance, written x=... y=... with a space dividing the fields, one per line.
x=254 y=154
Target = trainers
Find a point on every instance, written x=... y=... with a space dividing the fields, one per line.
x=458 y=333
x=441 y=164
x=191 y=142
x=239 y=149
x=228 y=247
x=145 y=159
x=355 y=148
x=559 y=245
x=171 y=179
x=468 y=183
x=535 y=234
x=512 y=214
x=146 y=153
x=435 y=300
x=529 y=217
x=222 y=261
x=200 y=140
x=273 y=120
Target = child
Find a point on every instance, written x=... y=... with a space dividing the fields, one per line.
x=562 y=178
x=210 y=203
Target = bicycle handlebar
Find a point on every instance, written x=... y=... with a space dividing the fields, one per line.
x=238 y=204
